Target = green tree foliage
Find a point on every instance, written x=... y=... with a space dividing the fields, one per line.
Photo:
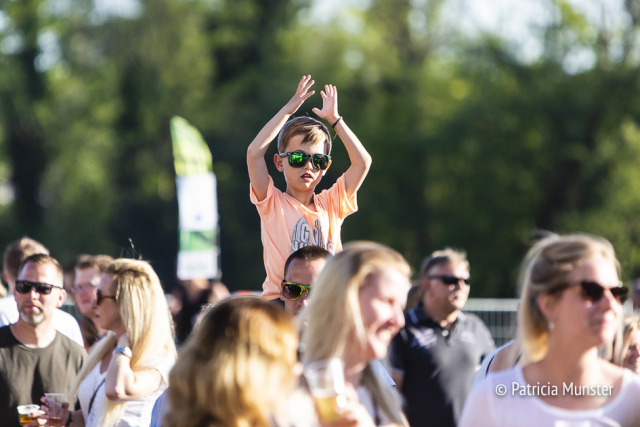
x=473 y=147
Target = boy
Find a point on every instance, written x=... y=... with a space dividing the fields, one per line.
x=300 y=217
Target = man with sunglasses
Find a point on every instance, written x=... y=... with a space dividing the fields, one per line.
x=299 y=217
x=300 y=270
x=34 y=357
x=14 y=254
x=433 y=358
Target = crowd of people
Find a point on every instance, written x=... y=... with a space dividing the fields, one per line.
x=339 y=336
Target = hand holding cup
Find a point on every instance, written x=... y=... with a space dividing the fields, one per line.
x=57 y=408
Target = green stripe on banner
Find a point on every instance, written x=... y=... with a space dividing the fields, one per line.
x=190 y=151
x=197 y=240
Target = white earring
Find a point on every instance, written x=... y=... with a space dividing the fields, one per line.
x=551 y=324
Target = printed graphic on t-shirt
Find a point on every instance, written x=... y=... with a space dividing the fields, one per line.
x=303 y=236
x=468 y=336
x=426 y=338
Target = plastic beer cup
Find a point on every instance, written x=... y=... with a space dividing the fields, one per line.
x=326 y=383
x=58 y=398
x=24 y=411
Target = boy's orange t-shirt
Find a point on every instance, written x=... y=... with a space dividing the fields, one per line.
x=287 y=225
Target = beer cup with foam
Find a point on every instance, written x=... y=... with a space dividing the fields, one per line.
x=326 y=383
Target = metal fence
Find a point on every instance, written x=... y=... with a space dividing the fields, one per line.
x=500 y=316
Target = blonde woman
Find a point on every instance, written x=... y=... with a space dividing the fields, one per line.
x=129 y=368
x=356 y=309
x=570 y=306
x=237 y=368
x=629 y=357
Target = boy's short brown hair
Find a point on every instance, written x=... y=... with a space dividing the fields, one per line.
x=313 y=132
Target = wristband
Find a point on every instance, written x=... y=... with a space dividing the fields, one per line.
x=337 y=121
x=124 y=350
x=68 y=423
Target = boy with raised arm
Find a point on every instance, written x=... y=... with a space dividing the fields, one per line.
x=299 y=217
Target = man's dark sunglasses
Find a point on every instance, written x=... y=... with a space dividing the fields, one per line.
x=298 y=159
x=594 y=291
x=25 y=286
x=451 y=280
x=293 y=291
x=100 y=296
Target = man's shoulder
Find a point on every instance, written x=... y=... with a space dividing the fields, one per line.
x=7 y=302
x=416 y=324
x=6 y=337
x=62 y=316
x=66 y=324
x=413 y=317
x=68 y=346
x=472 y=321
x=473 y=329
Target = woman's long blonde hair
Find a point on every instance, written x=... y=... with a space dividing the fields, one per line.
x=146 y=318
x=333 y=316
x=547 y=265
x=236 y=370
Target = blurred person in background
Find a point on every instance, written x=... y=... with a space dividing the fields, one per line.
x=237 y=369
x=635 y=294
x=187 y=300
x=68 y=276
x=414 y=296
x=34 y=357
x=219 y=291
x=434 y=357
x=87 y=272
x=629 y=356
x=4 y=289
x=570 y=306
x=631 y=342
x=356 y=309
x=129 y=368
x=14 y=254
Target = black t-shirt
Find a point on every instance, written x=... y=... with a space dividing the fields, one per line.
x=26 y=374
x=438 y=365
x=185 y=319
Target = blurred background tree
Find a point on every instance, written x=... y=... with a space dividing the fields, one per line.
x=477 y=142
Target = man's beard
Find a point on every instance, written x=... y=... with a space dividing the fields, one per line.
x=33 y=319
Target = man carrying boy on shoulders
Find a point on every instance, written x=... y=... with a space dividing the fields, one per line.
x=299 y=217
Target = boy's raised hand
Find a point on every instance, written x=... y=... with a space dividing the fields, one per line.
x=329 y=110
x=300 y=96
x=258 y=173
